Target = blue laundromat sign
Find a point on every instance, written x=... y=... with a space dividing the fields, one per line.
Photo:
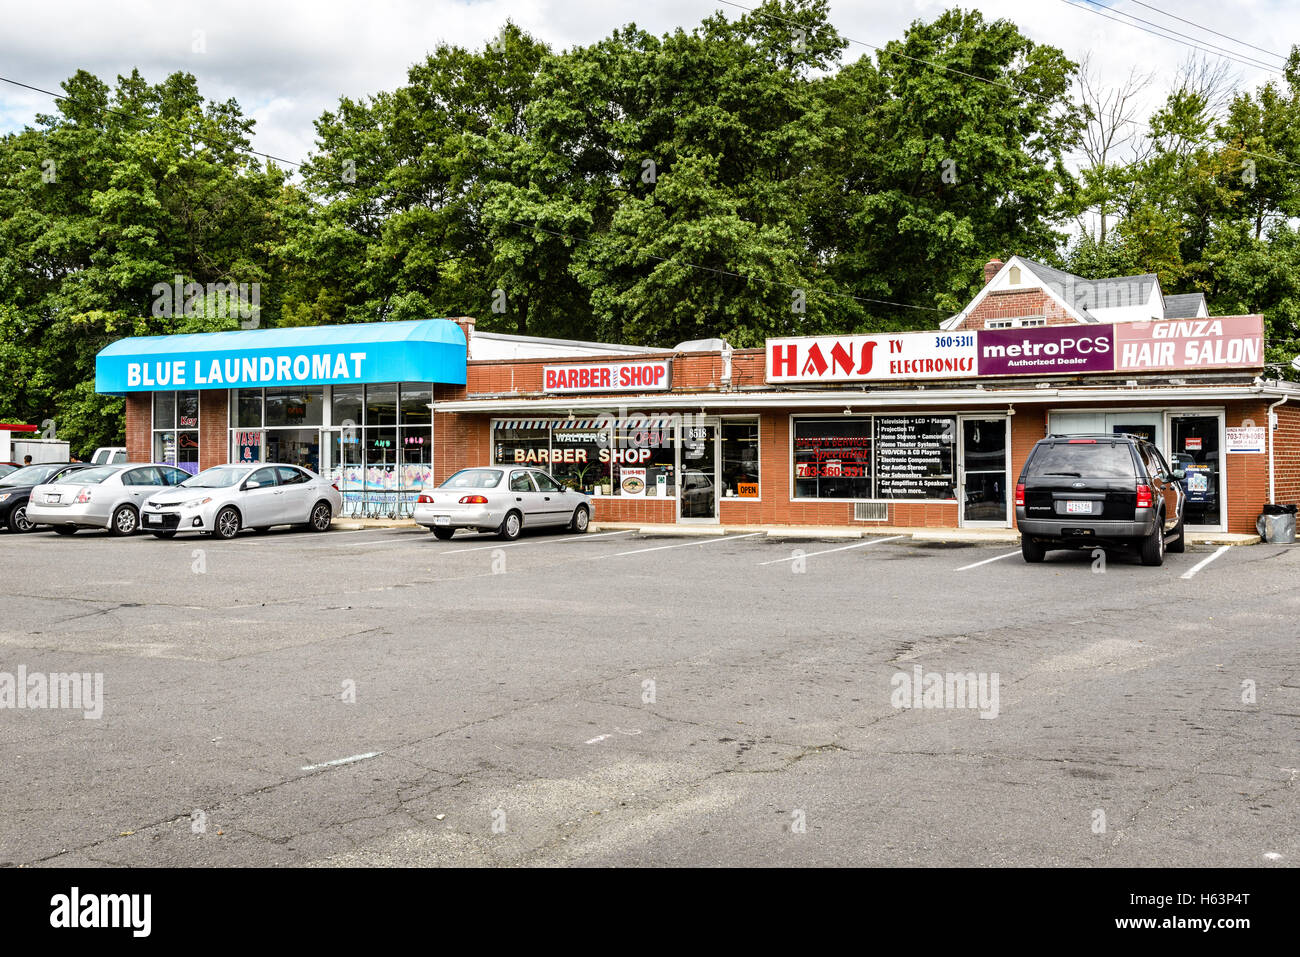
x=426 y=350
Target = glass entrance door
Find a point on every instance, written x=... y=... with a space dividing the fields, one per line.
x=697 y=489
x=982 y=472
x=1194 y=447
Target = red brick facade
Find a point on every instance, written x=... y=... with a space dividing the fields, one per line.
x=1017 y=304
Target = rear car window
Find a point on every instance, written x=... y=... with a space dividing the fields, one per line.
x=90 y=476
x=473 y=478
x=1084 y=460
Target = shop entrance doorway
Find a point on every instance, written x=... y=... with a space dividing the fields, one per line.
x=982 y=486
x=697 y=491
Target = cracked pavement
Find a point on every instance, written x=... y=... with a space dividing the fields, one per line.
x=558 y=702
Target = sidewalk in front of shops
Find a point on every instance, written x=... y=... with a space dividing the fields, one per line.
x=986 y=536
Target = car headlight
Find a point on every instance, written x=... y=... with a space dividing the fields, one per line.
x=196 y=502
x=5 y=496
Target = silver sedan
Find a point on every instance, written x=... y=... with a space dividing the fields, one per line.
x=106 y=496
x=226 y=498
x=501 y=499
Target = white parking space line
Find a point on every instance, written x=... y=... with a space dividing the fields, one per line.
x=338 y=761
x=537 y=541
x=996 y=558
x=404 y=536
x=659 y=548
x=1204 y=561
x=827 y=551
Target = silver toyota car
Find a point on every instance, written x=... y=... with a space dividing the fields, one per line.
x=225 y=498
x=105 y=496
x=501 y=499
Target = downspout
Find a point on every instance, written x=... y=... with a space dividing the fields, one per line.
x=1271 y=442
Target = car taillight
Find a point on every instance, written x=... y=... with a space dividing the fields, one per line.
x=1020 y=494
x=83 y=496
x=424 y=500
x=1144 y=496
x=334 y=486
x=1081 y=442
x=473 y=500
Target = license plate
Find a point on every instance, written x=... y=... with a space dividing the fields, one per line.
x=51 y=498
x=1078 y=508
x=442 y=520
x=152 y=519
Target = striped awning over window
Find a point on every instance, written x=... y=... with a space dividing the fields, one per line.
x=599 y=422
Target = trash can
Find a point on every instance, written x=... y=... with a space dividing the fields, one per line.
x=1277 y=524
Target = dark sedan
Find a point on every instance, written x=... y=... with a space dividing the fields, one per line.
x=16 y=489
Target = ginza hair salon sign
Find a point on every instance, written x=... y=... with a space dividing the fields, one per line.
x=1232 y=342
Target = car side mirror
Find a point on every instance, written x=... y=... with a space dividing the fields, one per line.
x=251 y=484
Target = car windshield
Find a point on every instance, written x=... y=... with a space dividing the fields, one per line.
x=222 y=476
x=31 y=475
x=6 y=468
x=474 y=478
x=89 y=476
x=1084 y=459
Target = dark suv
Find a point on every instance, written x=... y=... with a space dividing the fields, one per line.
x=1085 y=491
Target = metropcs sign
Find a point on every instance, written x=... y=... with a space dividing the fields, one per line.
x=653 y=375
x=1231 y=342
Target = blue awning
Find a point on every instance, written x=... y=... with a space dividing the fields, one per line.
x=421 y=350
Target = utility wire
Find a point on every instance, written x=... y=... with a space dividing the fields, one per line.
x=1199 y=26
x=1092 y=6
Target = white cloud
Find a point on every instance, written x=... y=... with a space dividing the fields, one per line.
x=286 y=62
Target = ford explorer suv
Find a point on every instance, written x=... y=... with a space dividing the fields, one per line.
x=1099 y=491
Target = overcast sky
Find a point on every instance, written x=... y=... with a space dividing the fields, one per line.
x=287 y=60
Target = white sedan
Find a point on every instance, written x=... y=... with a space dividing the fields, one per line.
x=107 y=496
x=501 y=499
x=223 y=499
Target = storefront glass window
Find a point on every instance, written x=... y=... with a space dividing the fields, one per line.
x=416 y=399
x=381 y=405
x=176 y=429
x=294 y=446
x=521 y=446
x=740 y=458
x=644 y=460
x=247 y=405
x=346 y=406
x=294 y=407
x=575 y=458
x=832 y=458
x=1194 y=449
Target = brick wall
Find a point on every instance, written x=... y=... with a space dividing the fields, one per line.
x=1017 y=304
x=690 y=371
x=1286 y=453
x=214 y=422
x=139 y=422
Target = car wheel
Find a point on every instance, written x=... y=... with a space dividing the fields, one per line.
x=1153 y=546
x=227 y=524
x=442 y=534
x=164 y=534
x=321 y=515
x=65 y=529
x=1031 y=550
x=125 y=521
x=511 y=526
x=18 y=520
x=1178 y=545
x=581 y=519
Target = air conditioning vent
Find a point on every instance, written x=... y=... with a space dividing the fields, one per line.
x=870 y=511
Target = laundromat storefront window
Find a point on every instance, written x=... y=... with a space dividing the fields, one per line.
x=374 y=441
x=875 y=457
x=176 y=429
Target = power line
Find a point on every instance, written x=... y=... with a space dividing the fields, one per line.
x=154 y=121
x=1199 y=26
x=1092 y=6
x=1006 y=86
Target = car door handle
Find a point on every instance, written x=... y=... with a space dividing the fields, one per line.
x=548 y=498
x=519 y=498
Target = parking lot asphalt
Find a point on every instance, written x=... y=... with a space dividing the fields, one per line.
x=378 y=697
